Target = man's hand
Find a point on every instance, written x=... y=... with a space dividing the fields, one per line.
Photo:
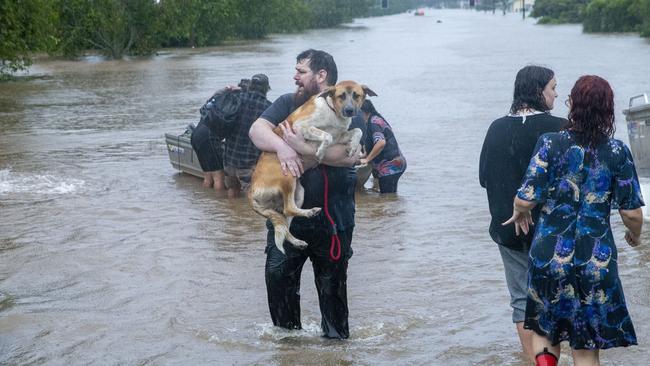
x=296 y=140
x=290 y=161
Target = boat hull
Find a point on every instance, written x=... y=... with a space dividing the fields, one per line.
x=181 y=154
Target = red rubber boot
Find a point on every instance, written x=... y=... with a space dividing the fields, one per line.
x=545 y=358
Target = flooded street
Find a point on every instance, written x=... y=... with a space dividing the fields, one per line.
x=108 y=256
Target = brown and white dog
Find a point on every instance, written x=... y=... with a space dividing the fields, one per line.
x=323 y=120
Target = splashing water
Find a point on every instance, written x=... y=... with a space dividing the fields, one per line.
x=41 y=184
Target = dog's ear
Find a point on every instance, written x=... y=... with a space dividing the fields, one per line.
x=368 y=91
x=326 y=92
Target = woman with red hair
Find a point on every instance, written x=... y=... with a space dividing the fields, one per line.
x=578 y=175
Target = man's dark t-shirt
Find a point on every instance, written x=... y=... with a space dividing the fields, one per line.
x=506 y=153
x=341 y=181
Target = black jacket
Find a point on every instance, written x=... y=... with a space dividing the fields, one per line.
x=507 y=149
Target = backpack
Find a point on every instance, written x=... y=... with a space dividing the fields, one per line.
x=220 y=113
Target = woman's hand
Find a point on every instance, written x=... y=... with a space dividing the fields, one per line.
x=631 y=239
x=522 y=220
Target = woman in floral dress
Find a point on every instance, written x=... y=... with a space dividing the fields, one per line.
x=578 y=175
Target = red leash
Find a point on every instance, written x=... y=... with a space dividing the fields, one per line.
x=336 y=242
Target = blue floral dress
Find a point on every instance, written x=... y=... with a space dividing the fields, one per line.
x=574 y=293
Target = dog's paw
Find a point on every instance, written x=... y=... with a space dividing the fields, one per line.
x=354 y=149
x=300 y=244
x=320 y=154
x=314 y=211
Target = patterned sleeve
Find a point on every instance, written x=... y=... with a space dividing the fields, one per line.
x=377 y=127
x=627 y=192
x=534 y=186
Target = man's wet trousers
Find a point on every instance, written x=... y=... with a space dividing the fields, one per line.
x=282 y=274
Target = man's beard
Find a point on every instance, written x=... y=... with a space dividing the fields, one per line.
x=304 y=93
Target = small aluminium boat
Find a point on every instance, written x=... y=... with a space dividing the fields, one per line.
x=181 y=154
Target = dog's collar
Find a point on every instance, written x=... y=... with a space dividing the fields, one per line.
x=328 y=104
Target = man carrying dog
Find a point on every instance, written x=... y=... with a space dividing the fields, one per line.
x=329 y=244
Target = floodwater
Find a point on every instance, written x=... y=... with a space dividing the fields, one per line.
x=108 y=256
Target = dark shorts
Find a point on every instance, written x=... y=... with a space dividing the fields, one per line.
x=388 y=183
x=208 y=149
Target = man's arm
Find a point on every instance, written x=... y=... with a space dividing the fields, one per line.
x=262 y=135
x=335 y=155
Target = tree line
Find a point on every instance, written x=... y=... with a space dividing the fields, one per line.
x=597 y=15
x=115 y=28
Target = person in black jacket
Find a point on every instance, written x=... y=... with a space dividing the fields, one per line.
x=505 y=155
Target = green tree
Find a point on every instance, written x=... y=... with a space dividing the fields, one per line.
x=612 y=16
x=25 y=27
x=114 y=27
x=198 y=23
x=559 y=11
x=642 y=7
x=288 y=16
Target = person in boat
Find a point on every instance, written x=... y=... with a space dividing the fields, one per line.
x=240 y=153
x=315 y=72
x=388 y=162
x=506 y=151
x=578 y=175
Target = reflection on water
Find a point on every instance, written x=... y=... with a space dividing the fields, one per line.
x=109 y=256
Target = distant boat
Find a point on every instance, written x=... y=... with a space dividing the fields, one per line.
x=419 y=12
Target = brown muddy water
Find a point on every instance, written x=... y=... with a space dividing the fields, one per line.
x=108 y=256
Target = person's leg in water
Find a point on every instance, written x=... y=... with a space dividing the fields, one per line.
x=586 y=357
x=282 y=274
x=207 y=180
x=331 y=283
x=204 y=146
x=232 y=183
x=515 y=264
x=388 y=183
x=217 y=173
x=234 y=188
x=375 y=180
x=526 y=340
x=218 y=180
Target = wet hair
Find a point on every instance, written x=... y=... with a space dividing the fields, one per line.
x=529 y=87
x=591 y=115
x=369 y=108
x=320 y=60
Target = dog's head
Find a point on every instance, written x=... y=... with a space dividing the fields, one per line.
x=347 y=97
